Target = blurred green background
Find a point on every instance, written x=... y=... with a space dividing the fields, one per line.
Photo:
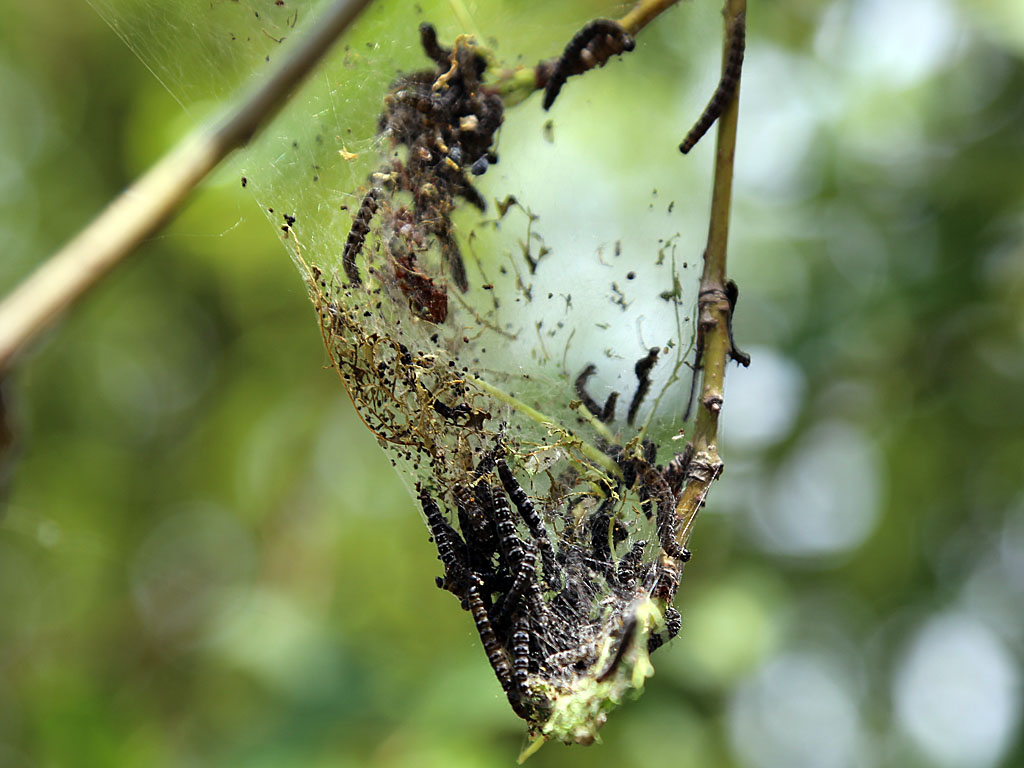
x=205 y=559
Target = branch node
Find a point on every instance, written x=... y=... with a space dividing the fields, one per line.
x=713 y=403
x=704 y=467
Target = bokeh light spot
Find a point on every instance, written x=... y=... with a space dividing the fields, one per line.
x=798 y=712
x=824 y=498
x=763 y=401
x=957 y=693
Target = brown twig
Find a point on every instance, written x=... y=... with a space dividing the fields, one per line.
x=714 y=308
x=148 y=203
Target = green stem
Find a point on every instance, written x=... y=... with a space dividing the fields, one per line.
x=597 y=456
x=643 y=13
x=596 y=424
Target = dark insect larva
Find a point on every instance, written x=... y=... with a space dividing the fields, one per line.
x=552 y=571
x=452 y=255
x=628 y=630
x=428 y=39
x=732 y=293
x=450 y=547
x=668 y=518
x=508 y=540
x=675 y=472
x=495 y=653
x=667 y=582
x=604 y=414
x=525 y=577
x=521 y=500
x=521 y=652
x=627 y=570
x=454 y=415
x=357 y=235
x=727 y=86
x=591 y=47
x=478 y=531
x=643 y=375
x=673 y=623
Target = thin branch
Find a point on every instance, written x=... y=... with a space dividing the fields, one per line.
x=643 y=13
x=148 y=203
x=714 y=309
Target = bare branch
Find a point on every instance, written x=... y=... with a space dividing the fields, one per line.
x=147 y=204
x=714 y=307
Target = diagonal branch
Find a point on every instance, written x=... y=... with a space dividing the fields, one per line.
x=148 y=203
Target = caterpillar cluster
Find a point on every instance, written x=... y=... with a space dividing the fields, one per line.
x=446 y=122
x=547 y=582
